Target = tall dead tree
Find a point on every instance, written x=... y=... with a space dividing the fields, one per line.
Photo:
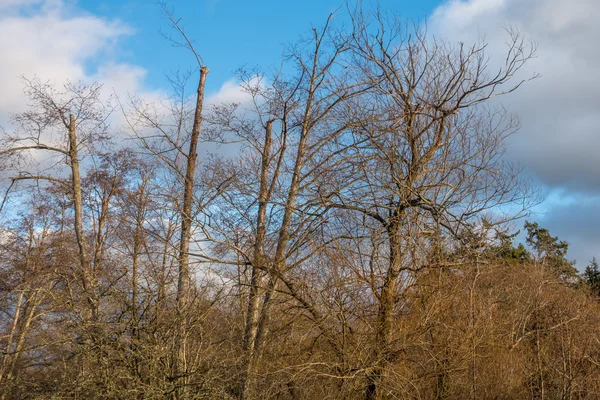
x=186 y=223
x=169 y=133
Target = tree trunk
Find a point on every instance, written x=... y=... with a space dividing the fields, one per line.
x=33 y=300
x=258 y=266
x=7 y=351
x=183 y=284
x=253 y=316
x=136 y=251
x=385 y=316
x=88 y=274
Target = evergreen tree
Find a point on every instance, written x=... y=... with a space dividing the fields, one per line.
x=506 y=250
x=591 y=276
x=549 y=250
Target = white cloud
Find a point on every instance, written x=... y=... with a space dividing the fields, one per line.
x=461 y=14
x=229 y=92
x=56 y=43
x=6 y=4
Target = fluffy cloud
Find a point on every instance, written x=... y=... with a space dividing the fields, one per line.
x=229 y=92
x=6 y=5
x=55 y=41
x=560 y=136
x=49 y=40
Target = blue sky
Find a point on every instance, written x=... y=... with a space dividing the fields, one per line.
x=119 y=43
x=228 y=33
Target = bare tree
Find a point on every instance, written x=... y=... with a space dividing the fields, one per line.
x=272 y=212
x=430 y=152
x=27 y=250
x=79 y=115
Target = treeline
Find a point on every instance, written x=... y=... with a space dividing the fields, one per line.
x=350 y=236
